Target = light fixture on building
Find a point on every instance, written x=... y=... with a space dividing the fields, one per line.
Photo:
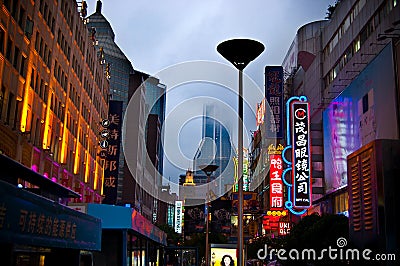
x=359 y=63
x=382 y=37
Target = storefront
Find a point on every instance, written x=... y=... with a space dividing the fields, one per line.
x=127 y=237
x=35 y=229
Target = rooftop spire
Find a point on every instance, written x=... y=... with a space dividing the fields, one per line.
x=98 y=6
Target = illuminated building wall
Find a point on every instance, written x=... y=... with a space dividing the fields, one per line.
x=53 y=93
x=329 y=58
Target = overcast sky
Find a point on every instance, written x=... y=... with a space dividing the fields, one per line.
x=155 y=35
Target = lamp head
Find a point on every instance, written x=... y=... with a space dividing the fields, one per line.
x=240 y=52
x=208 y=169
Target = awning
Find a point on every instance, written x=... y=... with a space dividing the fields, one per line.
x=29 y=219
x=118 y=217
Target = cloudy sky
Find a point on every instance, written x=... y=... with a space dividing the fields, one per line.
x=156 y=35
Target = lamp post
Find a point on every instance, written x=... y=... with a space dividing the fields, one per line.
x=208 y=170
x=240 y=52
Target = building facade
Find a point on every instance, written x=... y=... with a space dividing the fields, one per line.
x=118 y=68
x=54 y=92
x=350 y=75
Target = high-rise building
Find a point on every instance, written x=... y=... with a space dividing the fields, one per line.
x=53 y=94
x=145 y=164
x=118 y=67
x=215 y=148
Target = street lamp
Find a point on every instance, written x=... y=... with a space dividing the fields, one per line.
x=208 y=170
x=240 y=52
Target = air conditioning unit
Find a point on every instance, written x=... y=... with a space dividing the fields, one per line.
x=374 y=199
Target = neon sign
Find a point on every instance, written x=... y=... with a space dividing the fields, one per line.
x=275 y=175
x=301 y=174
x=298 y=137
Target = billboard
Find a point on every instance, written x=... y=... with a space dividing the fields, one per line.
x=274 y=98
x=221 y=216
x=364 y=111
x=195 y=218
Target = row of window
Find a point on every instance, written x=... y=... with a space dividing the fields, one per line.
x=12 y=106
x=344 y=26
x=88 y=88
x=72 y=125
x=47 y=15
x=79 y=39
x=62 y=42
x=77 y=67
x=57 y=107
x=43 y=49
x=74 y=96
x=13 y=54
x=39 y=85
x=60 y=75
x=66 y=11
x=359 y=40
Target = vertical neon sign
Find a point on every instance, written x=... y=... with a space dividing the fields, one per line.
x=301 y=174
x=275 y=180
x=298 y=140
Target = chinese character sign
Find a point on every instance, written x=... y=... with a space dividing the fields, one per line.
x=276 y=185
x=274 y=97
x=301 y=161
x=112 y=152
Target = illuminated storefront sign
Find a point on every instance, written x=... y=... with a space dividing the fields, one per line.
x=298 y=141
x=178 y=216
x=275 y=182
x=274 y=98
x=29 y=219
x=284 y=228
x=301 y=174
x=110 y=184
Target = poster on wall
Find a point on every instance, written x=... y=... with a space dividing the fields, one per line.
x=223 y=254
x=364 y=111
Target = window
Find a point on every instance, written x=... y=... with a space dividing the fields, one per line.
x=21 y=17
x=33 y=78
x=2 y=94
x=2 y=39
x=22 y=67
x=28 y=28
x=357 y=44
x=9 y=49
x=9 y=106
x=16 y=55
x=14 y=9
x=7 y=4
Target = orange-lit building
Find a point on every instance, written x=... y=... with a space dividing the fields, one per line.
x=53 y=93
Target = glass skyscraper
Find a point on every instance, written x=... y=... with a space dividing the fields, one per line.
x=216 y=148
